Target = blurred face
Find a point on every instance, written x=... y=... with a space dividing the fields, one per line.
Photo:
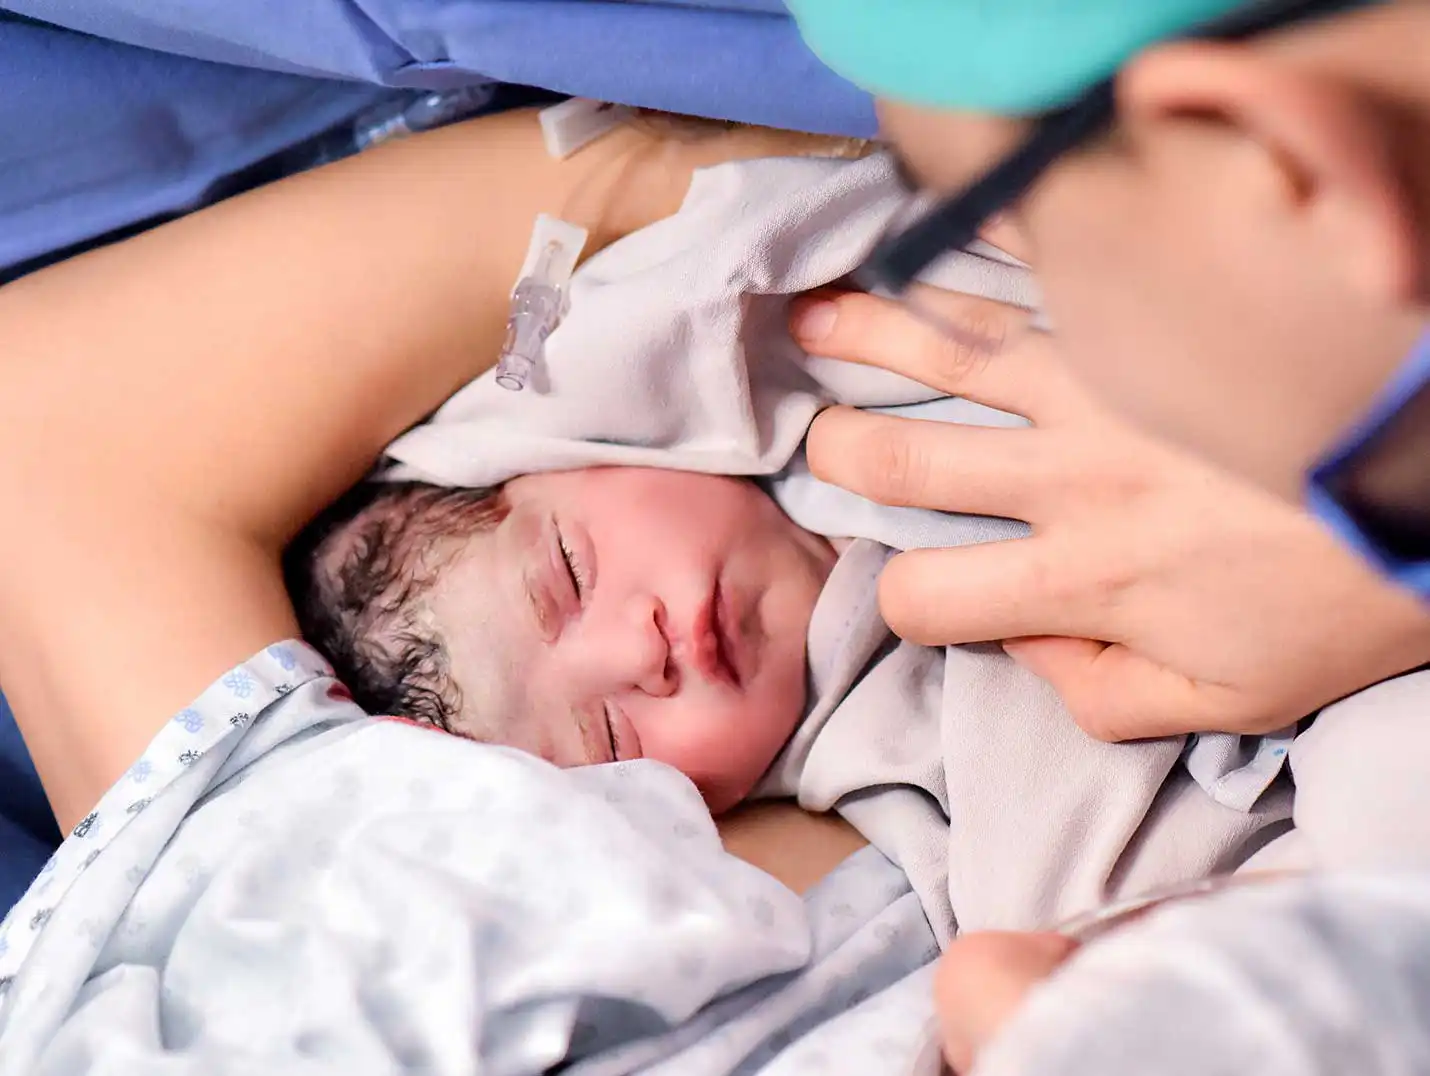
x=621 y=613
x=1203 y=281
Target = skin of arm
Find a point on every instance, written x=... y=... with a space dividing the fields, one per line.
x=793 y=845
x=175 y=407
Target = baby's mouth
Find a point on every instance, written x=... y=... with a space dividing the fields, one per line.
x=734 y=641
x=716 y=647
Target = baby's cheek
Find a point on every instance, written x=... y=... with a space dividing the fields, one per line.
x=768 y=720
x=705 y=747
x=723 y=749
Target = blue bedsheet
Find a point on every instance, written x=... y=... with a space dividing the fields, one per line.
x=138 y=109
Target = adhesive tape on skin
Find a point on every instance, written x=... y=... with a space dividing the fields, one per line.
x=560 y=243
x=576 y=123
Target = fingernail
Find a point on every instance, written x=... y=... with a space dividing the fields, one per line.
x=812 y=322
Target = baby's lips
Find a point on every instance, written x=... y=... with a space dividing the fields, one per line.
x=709 y=642
x=740 y=627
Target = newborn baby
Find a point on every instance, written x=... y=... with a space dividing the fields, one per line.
x=585 y=616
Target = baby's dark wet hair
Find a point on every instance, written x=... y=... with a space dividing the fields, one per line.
x=359 y=577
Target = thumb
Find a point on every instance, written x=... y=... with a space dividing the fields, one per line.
x=1114 y=693
x=981 y=982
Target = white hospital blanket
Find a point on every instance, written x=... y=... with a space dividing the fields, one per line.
x=283 y=885
x=962 y=767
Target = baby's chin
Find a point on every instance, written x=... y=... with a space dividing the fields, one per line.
x=785 y=712
x=723 y=800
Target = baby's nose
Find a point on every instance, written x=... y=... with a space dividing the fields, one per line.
x=632 y=651
x=656 y=672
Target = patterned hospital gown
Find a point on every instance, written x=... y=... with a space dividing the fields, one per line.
x=284 y=884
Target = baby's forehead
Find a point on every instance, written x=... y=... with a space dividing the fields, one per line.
x=470 y=607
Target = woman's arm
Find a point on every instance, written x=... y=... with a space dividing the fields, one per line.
x=174 y=408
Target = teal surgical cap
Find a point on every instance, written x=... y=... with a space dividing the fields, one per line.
x=1012 y=57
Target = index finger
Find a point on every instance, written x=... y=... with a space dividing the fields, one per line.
x=1007 y=589
x=873 y=331
x=949 y=467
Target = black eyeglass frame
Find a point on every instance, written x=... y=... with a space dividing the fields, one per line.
x=896 y=263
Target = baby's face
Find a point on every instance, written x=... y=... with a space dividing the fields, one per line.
x=624 y=612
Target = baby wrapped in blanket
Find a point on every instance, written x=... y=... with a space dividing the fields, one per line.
x=578 y=571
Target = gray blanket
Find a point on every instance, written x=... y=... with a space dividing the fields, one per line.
x=959 y=765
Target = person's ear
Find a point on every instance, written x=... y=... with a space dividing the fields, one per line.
x=1329 y=144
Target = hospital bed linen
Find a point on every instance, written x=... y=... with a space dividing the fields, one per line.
x=284 y=885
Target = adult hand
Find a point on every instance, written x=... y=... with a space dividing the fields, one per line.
x=1157 y=594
